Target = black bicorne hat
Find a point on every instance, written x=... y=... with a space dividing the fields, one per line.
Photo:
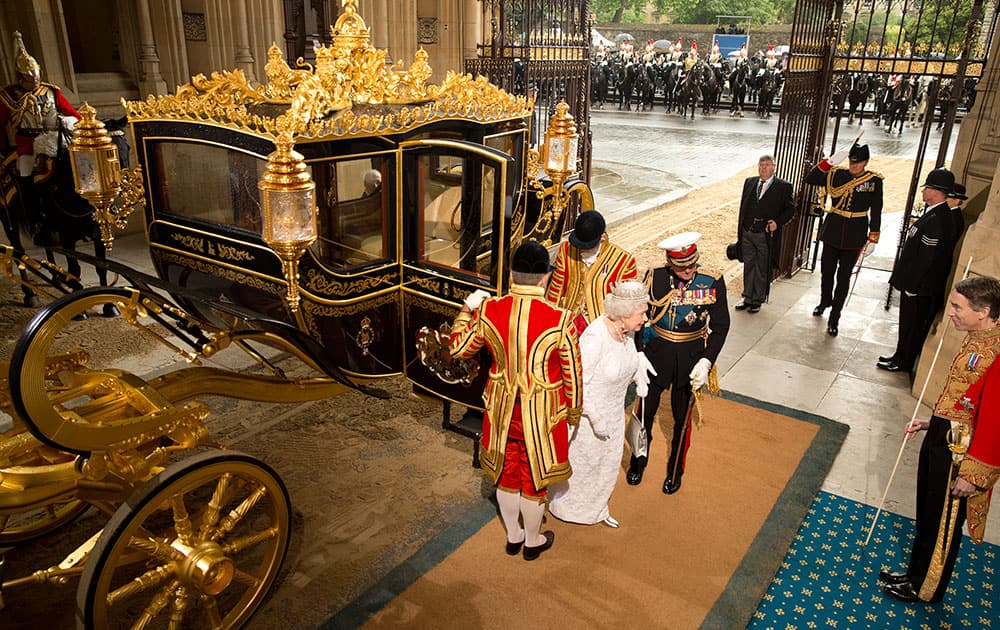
x=530 y=257
x=859 y=153
x=588 y=230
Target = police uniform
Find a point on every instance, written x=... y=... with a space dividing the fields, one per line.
x=687 y=322
x=579 y=285
x=921 y=274
x=853 y=220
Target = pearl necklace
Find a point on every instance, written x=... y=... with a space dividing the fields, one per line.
x=617 y=331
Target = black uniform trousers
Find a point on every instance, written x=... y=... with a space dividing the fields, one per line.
x=836 y=263
x=916 y=314
x=673 y=362
x=934 y=481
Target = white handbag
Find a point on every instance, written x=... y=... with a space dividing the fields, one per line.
x=635 y=434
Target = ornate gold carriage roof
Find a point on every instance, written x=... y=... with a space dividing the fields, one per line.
x=352 y=90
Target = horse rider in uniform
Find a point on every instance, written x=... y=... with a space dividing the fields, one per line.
x=587 y=267
x=534 y=392
x=32 y=115
x=688 y=324
x=851 y=225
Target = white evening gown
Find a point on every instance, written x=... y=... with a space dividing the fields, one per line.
x=609 y=366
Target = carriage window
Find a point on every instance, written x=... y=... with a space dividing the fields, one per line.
x=352 y=202
x=453 y=227
x=207 y=183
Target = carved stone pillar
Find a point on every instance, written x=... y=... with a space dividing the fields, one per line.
x=150 y=80
x=241 y=36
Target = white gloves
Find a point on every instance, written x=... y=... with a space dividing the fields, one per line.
x=699 y=375
x=476 y=299
x=839 y=156
x=869 y=248
x=642 y=376
x=600 y=429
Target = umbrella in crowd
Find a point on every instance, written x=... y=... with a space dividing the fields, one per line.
x=621 y=37
x=661 y=45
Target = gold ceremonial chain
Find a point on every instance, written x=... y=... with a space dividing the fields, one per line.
x=843 y=193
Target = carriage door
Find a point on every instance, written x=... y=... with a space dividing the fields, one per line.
x=457 y=202
x=802 y=123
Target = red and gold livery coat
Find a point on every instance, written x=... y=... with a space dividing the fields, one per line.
x=981 y=464
x=536 y=362
x=576 y=288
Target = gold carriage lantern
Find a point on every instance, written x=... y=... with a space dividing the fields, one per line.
x=288 y=192
x=96 y=170
x=559 y=153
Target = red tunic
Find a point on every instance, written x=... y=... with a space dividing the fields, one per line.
x=536 y=363
x=576 y=288
x=981 y=465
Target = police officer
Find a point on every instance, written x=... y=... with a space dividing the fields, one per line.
x=688 y=323
x=850 y=227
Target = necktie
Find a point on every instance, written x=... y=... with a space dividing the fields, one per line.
x=760 y=188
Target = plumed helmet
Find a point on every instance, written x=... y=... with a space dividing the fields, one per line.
x=24 y=62
x=588 y=230
x=530 y=257
x=941 y=179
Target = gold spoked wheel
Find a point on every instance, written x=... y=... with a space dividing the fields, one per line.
x=198 y=546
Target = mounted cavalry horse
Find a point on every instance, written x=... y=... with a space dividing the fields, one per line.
x=901 y=94
x=688 y=91
x=858 y=91
x=738 y=89
x=769 y=81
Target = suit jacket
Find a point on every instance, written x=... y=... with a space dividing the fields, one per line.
x=576 y=288
x=536 y=360
x=925 y=263
x=777 y=204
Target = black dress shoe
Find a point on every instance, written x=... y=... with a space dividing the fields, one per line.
x=832 y=330
x=671 y=486
x=892 y=367
x=754 y=308
x=530 y=553
x=903 y=591
x=635 y=470
x=818 y=311
x=742 y=306
x=893 y=577
x=889 y=359
x=513 y=548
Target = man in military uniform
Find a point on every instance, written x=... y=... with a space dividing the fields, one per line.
x=534 y=393
x=960 y=456
x=688 y=324
x=921 y=273
x=587 y=266
x=851 y=225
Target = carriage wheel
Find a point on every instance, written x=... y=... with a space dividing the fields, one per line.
x=199 y=545
x=28 y=525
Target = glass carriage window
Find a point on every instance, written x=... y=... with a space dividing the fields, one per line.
x=352 y=199
x=207 y=183
x=457 y=209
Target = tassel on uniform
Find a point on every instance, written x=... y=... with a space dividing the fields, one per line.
x=711 y=388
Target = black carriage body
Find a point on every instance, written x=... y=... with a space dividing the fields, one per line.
x=390 y=265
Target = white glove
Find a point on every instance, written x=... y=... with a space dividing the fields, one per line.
x=642 y=376
x=839 y=156
x=600 y=429
x=869 y=248
x=476 y=299
x=699 y=375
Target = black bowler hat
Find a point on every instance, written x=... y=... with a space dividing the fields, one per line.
x=859 y=153
x=588 y=230
x=958 y=192
x=530 y=257
x=940 y=178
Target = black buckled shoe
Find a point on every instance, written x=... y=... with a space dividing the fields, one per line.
x=531 y=553
x=893 y=577
x=903 y=591
x=514 y=548
x=818 y=311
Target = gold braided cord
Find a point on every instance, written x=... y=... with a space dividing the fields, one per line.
x=711 y=388
x=843 y=193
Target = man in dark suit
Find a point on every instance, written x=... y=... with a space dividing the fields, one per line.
x=766 y=206
x=922 y=271
x=851 y=225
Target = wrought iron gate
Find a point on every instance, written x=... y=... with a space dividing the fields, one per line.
x=890 y=41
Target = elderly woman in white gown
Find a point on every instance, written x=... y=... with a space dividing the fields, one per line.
x=610 y=363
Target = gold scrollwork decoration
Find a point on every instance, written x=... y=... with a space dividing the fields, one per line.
x=323 y=284
x=219 y=271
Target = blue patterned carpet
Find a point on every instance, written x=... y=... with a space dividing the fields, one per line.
x=829 y=580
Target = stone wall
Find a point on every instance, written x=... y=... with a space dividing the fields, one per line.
x=760 y=36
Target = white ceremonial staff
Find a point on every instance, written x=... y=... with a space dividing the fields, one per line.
x=923 y=389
